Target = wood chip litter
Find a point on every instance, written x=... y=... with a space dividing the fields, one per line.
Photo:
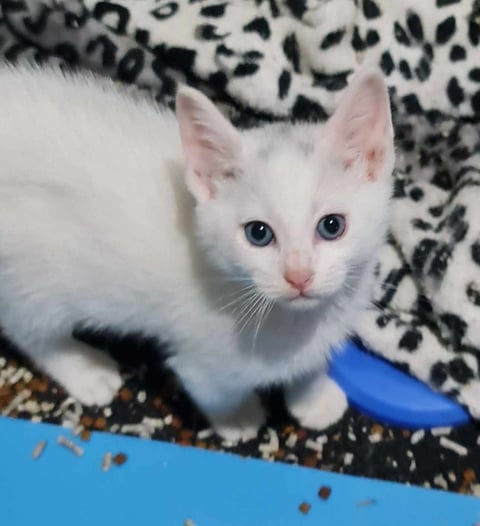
x=417 y=436
x=107 y=461
x=74 y=448
x=453 y=446
x=39 y=449
x=16 y=402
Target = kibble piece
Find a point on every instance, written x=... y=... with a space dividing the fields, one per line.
x=85 y=435
x=304 y=507
x=188 y=522
x=324 y=492
x=119 y=459
x=125 y=395
x=100 y=423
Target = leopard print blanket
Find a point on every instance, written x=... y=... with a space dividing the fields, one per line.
x=263 y=60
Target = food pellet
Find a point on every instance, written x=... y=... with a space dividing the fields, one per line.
x=100 y=423
x=324 y=492
x=107 y=461
x=304 y=507
x=38 y=449
x=119 y=459
x=85 y=435
x=188 y=522
x=63 y=441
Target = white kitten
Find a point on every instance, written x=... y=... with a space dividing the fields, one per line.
x=252 y=281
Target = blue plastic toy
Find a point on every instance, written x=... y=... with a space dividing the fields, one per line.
x=384 y=392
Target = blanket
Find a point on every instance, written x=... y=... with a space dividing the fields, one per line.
x=264 y=60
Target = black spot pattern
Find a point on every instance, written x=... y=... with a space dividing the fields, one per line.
x=305 y=109
x=332 y=39
x=440 y=262
x=473 y=293
x=405 y=69
x=37 y=25
x=179 y=57
x=423 y=69
x=414 y=25
x=290 y=48
x=357 y=42
x=106 y=9
x=371 y=9
x=476 y=102
x=445 y=30
x=386 y=63
x=460 y=371
x=214 y=11
x=416 y=193
x=410 y=340
x=443 y=3
x=455 y=327
x=421 y=253
x=401 y=35
x=259 y=25
x=284 y=82
x=130 y=65
x=411 y=104
x=109 y=50
x=455 y=93
x=372 y=38
x=475 y=252
x=474 y=74
x=297 y=7
x=331 y=82
x=165 y=11
x=474 y=32
x=208 y=32
x=457 y=53
x=245 y=68
x=68 y=52
x=438 y=374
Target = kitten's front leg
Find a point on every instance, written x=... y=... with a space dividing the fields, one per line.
x=316 y=401
x=235 y=412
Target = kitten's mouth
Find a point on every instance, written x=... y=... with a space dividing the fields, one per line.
x=302 y=300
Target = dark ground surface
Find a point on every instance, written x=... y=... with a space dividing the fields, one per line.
x=150 y=405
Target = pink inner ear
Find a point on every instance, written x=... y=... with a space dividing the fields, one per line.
x=210 y=142
x=361 y=129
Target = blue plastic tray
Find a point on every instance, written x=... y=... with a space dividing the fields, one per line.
x=163 y=485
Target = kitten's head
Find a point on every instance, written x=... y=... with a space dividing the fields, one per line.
x=296 y=210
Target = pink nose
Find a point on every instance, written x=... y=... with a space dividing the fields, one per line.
x=300 y=279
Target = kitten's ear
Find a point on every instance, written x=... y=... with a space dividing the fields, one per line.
x=210 y=142
x=361 y=128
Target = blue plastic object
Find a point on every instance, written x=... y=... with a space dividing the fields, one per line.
x=379 y=389
x=164 y=485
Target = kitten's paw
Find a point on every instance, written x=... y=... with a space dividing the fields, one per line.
x=243 y=424
x=318 y=405
x=90 y=376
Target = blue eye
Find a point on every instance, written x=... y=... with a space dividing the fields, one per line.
x=331 y=227
x=258 y=233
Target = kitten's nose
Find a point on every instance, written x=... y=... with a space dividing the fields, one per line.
x=299 y=278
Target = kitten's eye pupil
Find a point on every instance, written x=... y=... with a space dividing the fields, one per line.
x=331 y=226
x=258 y=233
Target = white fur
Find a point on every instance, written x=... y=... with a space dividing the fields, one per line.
x=97 y=227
